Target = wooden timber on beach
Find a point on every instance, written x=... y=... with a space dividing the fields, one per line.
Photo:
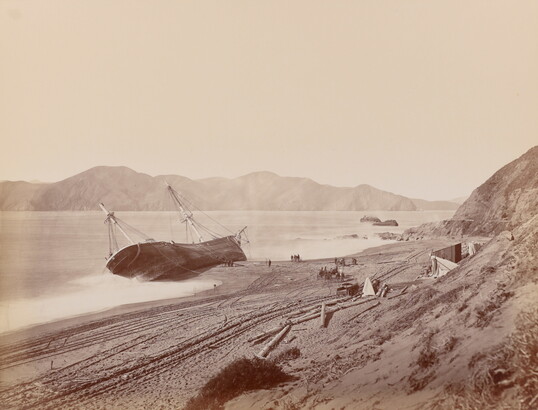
x=274 y=341
x=287 y=325
x=265 y=335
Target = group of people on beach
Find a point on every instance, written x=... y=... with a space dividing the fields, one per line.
x=295 y=258
x=334 y=273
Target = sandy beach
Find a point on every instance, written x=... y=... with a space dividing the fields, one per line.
x=160 y=353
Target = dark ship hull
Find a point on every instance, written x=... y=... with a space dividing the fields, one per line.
x=150 y=261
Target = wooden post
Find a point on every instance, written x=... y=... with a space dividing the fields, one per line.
x=323 y=314
x=273 y=342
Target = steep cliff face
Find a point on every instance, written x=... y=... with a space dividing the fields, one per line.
x=505 y=201
x=121 y=188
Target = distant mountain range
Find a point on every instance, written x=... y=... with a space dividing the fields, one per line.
x=121 y=188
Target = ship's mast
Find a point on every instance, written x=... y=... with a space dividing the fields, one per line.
x=111 y=218
x=185 y=213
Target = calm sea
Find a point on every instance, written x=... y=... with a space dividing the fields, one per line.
x=52 y=264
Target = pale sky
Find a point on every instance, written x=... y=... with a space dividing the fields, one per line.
x=421 y=98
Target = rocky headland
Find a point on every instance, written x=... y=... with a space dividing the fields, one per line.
x=505 y=201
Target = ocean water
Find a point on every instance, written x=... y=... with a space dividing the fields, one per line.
x=52 y=264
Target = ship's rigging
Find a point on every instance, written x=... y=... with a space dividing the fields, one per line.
x=193 y=228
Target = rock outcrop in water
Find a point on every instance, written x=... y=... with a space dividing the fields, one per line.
x=369 y=218
x=388 y=222
x=349 y=236
x=390 y=236
x=374 y=220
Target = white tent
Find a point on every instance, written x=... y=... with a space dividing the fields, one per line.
x=440 y=266
x=368 y=289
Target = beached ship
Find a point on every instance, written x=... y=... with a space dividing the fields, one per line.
x=151 y=260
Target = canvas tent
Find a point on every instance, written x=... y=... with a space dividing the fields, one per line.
x=440 y=266
x=368 y=288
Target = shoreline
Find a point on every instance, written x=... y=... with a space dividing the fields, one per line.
x=230 y=283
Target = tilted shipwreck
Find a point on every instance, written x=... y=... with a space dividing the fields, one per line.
x=151 y=260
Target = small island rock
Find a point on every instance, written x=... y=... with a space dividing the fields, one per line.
x=369 y=218
x=388 y=222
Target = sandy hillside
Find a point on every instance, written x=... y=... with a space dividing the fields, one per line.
x=435 y=347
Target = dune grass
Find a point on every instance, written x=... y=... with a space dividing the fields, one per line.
x=505 y=377
x=240 y=376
